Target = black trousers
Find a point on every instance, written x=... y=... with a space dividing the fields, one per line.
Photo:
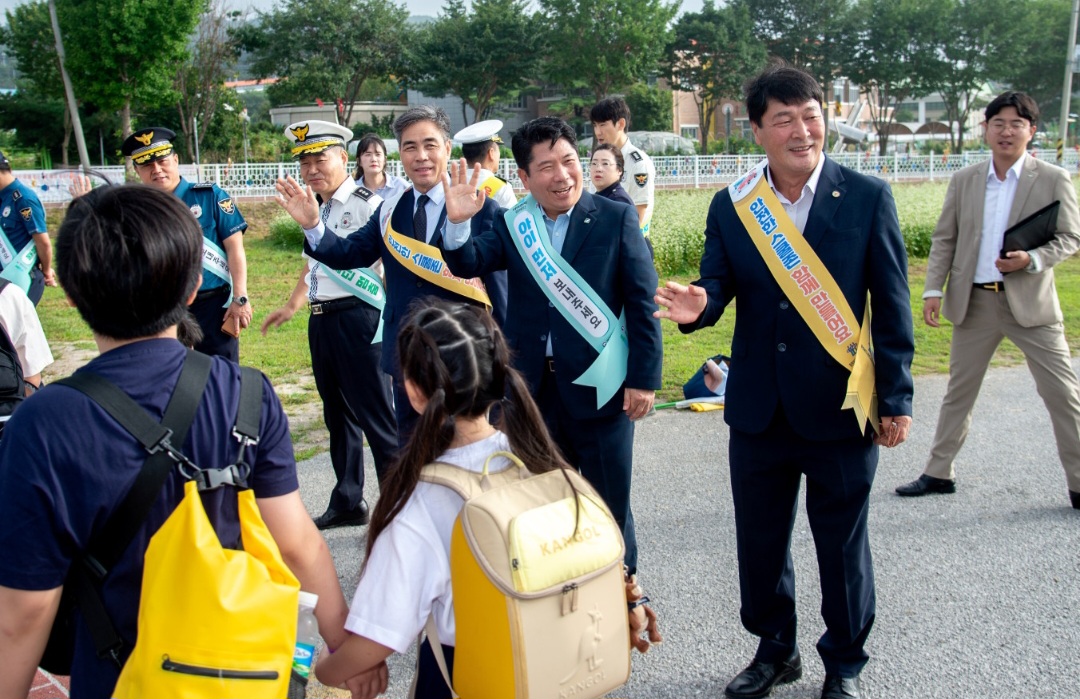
x=429 y=680
x=766 y=473
x=209 y=311
x=356 y=397
x=602 y=449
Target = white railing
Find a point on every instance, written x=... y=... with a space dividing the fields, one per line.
x=675 y=172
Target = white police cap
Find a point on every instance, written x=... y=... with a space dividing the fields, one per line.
x=479 y=132
x=312 y=136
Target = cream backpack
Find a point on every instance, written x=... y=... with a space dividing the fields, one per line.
x=539 y=600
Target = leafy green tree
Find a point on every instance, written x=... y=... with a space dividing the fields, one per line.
x=891 y=53
x=123 y=53
x=710 y=55
x=650 y=108
x=1031 y=53
x=482 y=56
x=327 y=49
x=603 y=45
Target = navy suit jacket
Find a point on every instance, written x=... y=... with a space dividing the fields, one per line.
x=363 y=247
x=776 y=359
x=604 y=244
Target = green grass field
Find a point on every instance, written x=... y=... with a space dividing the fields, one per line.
x=274 y=266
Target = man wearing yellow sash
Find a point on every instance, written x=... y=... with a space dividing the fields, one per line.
x=406 y=233
x=345 y=328
x=802 y=243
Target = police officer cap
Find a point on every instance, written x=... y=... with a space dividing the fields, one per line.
x=479 y=132
x=310 y=137
x=149 y=144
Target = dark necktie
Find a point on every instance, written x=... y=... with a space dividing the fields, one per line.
x=419 y=221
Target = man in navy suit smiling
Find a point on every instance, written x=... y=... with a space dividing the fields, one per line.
x=802 y=243
x=582 y=329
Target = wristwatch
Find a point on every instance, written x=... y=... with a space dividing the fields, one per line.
x=240 y=300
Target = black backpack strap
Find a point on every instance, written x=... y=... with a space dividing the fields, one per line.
x=119 y=530
x=249 y=412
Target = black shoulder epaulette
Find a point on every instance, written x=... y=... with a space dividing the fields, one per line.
x=501 y=179
x=202 y=185
x=636 y=155
x=364 y=193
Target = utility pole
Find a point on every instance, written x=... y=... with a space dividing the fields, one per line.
x=73 y=107
x=1066 y=91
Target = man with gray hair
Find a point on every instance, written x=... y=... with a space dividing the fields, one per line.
x=406 y=233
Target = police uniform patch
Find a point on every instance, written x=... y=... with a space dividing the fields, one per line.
x=203 y=185
x=637 y=156
x=364 y=193
x=16 y=195
x=346 y=220
x=641 y=179
x=227 y=205
x=26 y=213
x=196 y=210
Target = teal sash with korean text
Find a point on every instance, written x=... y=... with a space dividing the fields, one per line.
x=216 y=262
x=17 y=265
x=578 y=303
x=364 y=285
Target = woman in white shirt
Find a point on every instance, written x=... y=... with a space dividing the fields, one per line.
x=371 y=168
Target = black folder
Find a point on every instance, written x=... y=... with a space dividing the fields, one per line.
x=1034 y=231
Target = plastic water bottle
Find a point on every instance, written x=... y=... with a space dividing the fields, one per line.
x=307 y=639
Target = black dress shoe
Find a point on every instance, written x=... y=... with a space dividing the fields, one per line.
x=924 y=485
x=1075 y=497
x=338 y=518
x=758 y=679
x=837 y=687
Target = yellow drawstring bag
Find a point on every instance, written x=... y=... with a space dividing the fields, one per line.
x=213 y=622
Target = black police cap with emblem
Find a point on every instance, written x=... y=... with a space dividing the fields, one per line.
x=312 y=136
x=150 y=144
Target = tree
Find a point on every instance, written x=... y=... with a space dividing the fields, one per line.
x=967 y=43
x=482 y=57
x=710 y=55
x=328 y=49
x=890 y=53
x=120 y=53
x=200 y=81
x=650 y=108
x=1039 y=67
x=603 y=45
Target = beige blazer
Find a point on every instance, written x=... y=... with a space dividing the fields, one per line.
x=954 y=249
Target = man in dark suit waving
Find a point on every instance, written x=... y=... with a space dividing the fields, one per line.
x=406 y=233
x=582 y=330
x=801 y=243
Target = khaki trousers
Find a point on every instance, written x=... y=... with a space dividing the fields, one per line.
x=989 y=320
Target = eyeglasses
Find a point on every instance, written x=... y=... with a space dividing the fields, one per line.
x=601 y=164
x=1001 y=125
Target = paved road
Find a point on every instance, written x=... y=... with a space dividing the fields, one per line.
x=978 y=592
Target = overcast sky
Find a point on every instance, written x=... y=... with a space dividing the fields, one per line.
x=416 y=7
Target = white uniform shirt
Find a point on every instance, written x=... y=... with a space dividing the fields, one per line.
x=505 y=197
x=407 y=577
x=349 y=208
x=20 y=321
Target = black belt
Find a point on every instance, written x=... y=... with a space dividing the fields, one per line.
x=322 y=307
x=991 y=286
x=549 y=365
x=222 y=290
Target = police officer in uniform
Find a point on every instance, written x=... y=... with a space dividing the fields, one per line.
x=221 y=306
x=610 y=120
x=480 y=144
x=23 y=221
x=342 y=330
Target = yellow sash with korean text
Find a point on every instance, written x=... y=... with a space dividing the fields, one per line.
x=426 y=261
x=810 y=288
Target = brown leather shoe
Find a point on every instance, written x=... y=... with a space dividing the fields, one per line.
x=925 y=485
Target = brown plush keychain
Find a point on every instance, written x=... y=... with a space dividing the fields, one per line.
x=643 y=619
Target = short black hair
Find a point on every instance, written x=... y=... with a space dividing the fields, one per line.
x=473 y=152
x=152 y=247
x=610 y=109
x=1025 y=106
x=782 y=82
x=541 y=130
x=620 y=162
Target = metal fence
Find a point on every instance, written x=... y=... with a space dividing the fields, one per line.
x=672 y=172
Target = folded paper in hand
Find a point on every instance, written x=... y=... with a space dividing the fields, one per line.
x=1032 y=232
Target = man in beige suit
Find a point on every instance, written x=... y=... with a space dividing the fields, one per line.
x=990 y=298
